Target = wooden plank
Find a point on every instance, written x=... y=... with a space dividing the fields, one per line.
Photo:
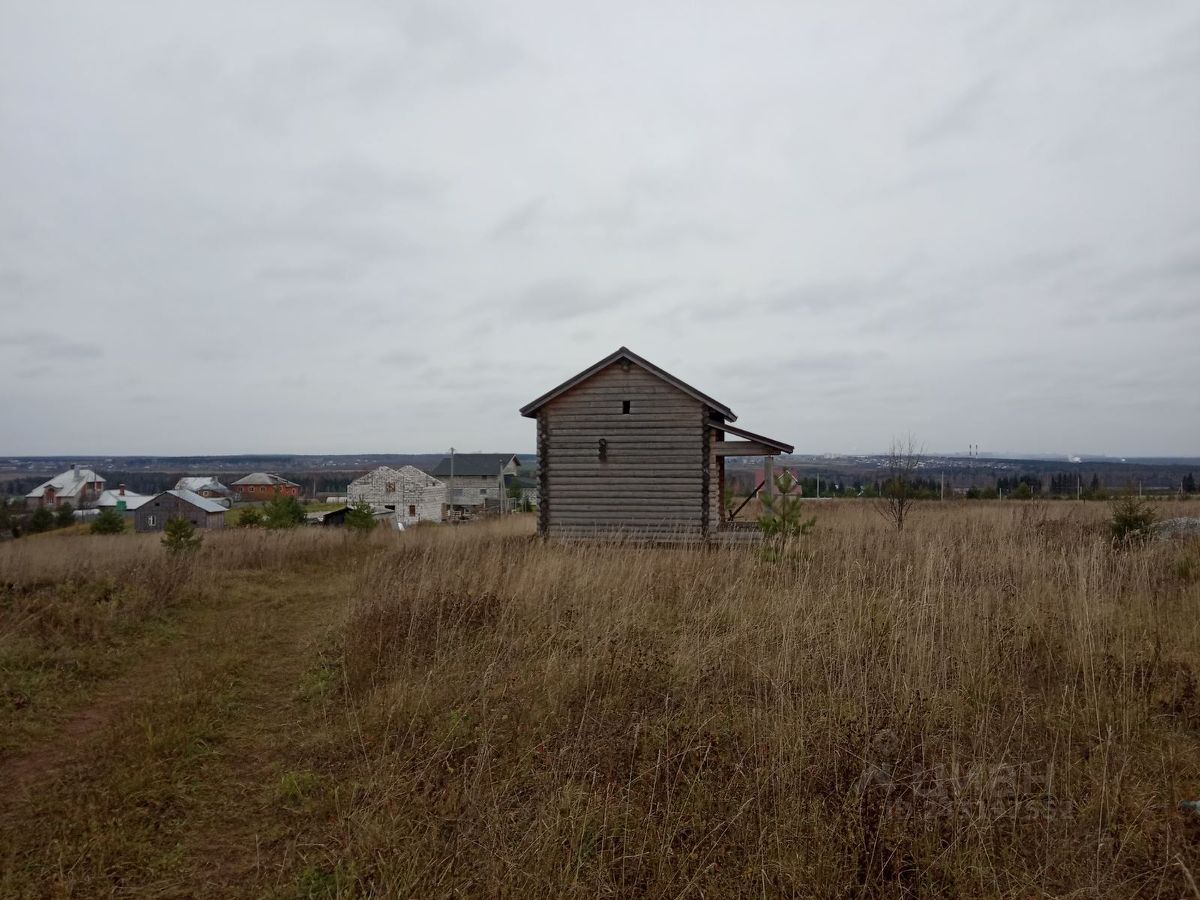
x=680 y=437
x=597 y=528
x=614 y=470
x=632 y=501
x=743 y=448
x=647 y=516
x=600 y=399
x=630 y=450
x=627 y=489
x=626 y=485
x=628 y=424
x=648 y=431
x=629 y=457
x=667 y=510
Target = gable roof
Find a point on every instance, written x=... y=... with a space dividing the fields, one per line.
x=474 y=464
x=199 y=483
x=625 y=353
x=66 y=484
x=196 y=500
x=263 y=478
x=112 y=498
x=402 y=472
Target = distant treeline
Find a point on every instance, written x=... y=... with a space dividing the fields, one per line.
x=1029 y=484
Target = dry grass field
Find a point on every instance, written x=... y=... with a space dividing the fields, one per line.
x=995 y=702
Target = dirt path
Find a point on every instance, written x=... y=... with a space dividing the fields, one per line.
x=169 y=781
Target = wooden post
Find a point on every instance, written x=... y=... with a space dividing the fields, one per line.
x=769 y=476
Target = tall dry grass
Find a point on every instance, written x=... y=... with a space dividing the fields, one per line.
x=75 y=610
x=994 y=702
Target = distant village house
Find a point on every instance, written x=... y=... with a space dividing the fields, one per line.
x=121 y=500
x=206 y=486
x=414 y=495
x=475 y=480
x=79 y=487
x=264 y=486
x=154 y=514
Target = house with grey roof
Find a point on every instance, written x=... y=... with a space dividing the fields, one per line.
x=78 y=486
x=206 y=486
x=475 y=480
x=121 y=500
x=154 y=514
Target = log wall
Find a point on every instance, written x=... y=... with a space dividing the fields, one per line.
x=653 y=479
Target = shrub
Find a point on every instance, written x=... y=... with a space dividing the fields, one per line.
x=1132 y=518
x=179 y=536
x=283 y=512
x=360 y=517
x=250 y=517
x=65 y=516
x=108 y=522
x=782 y=514
x=41 y=520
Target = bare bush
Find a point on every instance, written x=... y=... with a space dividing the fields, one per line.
x=899 y=489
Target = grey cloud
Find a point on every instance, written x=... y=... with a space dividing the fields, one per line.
x=960 y=114
x=837 y=237
x=44 y=345
x=561 y=299
x=520 y=221
x=402 y=358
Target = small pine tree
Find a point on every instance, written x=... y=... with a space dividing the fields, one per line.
x=108 y=522
x=65 y=516
x=782 y=513
x=360 y=517
x=41 y=520
x=283 y=512
x=250 y=517
x=1132 y=519
x=179 y=536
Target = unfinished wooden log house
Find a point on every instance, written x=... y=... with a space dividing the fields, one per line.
x=627 y=448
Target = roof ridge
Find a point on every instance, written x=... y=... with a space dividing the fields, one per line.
x=624 y=352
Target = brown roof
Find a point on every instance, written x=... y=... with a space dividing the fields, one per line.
x=625 y=353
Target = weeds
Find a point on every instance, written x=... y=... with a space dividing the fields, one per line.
x=562 y=719
x=989 y=700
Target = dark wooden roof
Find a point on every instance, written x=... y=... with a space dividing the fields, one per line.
x=531 y=409
x=467 y=464
x=751 y=436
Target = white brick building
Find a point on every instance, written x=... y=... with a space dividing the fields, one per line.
x=415 y=496
x=477 y=479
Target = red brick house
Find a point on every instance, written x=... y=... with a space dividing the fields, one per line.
x=264 y=486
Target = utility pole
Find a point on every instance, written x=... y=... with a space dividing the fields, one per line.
x=450 y=490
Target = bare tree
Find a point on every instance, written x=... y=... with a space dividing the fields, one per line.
x=900 y=490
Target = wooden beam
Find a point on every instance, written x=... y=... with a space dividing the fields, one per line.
x=743 y=448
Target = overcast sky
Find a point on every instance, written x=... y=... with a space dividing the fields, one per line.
x=384 y=226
